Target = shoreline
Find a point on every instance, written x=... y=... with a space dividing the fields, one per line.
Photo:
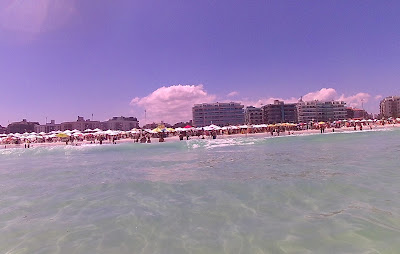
x=175 y=138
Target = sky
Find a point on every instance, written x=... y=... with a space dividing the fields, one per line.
x=64 y=58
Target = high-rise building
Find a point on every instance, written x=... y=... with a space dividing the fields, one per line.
x=318 y=111
x=279 y=112
x=252 y=115
x=219 y=113
x=390 y=107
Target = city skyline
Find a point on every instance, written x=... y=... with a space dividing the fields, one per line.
x=67 y=58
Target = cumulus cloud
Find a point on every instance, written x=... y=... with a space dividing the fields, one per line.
x=232 y=94
x=329 y=94
x=174 y=103
x=171 y=104
x=265 y=101
x=325 y=94
x=355 y=101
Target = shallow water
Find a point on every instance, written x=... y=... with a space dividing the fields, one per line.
x=332 y=193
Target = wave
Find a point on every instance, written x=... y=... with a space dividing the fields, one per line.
x=175 y=145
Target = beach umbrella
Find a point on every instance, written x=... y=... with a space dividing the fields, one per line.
x=134 y=131
x=212 y=127
x=188 y=127
x=157 y=130
x=62 y=135
x=321 y=123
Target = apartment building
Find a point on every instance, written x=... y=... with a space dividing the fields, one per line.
x=390 y=107
x=279 y=112
x=253 y=115
x=219 y=113
x=317 y=111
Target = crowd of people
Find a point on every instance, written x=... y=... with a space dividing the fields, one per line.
x=76 y=137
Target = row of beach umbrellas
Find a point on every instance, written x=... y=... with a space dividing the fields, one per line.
x=160 y=129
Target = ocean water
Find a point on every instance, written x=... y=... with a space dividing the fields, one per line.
x=331 y=193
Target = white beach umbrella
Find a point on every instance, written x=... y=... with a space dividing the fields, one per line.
x=212 y=127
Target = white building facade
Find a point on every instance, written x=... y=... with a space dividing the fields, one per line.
x=221 y=114
x=318 y=111
x=390 y=107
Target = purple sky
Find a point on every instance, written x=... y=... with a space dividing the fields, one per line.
x=61 y=59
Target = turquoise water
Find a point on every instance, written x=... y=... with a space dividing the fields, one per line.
x=332 y=193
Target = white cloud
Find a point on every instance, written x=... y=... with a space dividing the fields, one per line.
x=325 y=94
x=232 y=94
x=171 y=104
x=329 y=94
x=265 y=101
x=355 y=101
x=378 y=97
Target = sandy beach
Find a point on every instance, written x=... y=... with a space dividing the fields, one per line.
x=175 y=138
